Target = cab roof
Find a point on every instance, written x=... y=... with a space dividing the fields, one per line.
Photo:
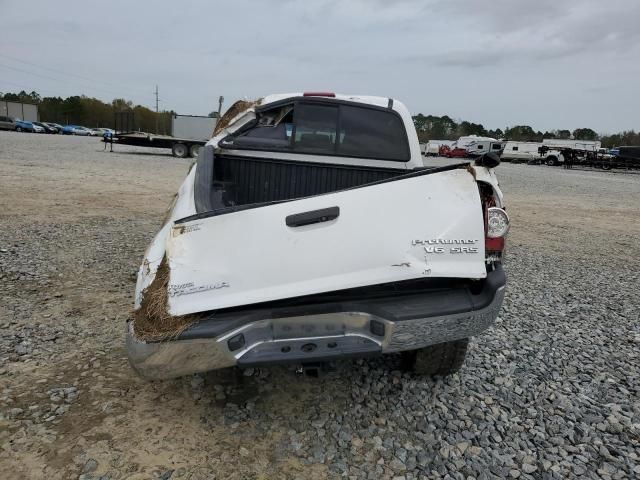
x=369 y=100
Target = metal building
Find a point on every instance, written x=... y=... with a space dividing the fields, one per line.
x=22 y=111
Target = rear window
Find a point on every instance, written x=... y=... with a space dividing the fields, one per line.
x=372 y=133
x=328 y=129
x=315 y=129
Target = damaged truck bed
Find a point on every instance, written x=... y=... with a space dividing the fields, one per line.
x=309 y=230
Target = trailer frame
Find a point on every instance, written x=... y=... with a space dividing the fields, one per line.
x=180 y=147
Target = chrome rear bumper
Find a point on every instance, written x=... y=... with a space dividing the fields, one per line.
x=306 y=338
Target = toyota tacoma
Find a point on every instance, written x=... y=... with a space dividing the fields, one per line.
x=309 y=230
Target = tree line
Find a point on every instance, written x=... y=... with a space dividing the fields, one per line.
x=91 y=112
x=431 y=127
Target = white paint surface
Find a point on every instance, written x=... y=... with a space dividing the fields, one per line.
x=260 y=258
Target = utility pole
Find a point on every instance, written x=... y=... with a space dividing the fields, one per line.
x=220 y=100
x=157 y=113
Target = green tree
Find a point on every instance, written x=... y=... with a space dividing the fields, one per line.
x=584 y=134
x=432 y=127
x=91 y=112
x=468 y=128
x=626 y=138
x=497 y=133
x=522 y=133
x=73 y=110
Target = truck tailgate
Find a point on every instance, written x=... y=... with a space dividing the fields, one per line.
x=413 y=226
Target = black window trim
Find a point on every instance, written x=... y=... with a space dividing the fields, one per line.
x=316 y=100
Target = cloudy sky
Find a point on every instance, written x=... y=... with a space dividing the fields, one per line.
x=546 y=63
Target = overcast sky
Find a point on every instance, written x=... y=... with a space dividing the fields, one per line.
x=547 y=63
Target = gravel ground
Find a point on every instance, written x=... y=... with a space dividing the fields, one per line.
x=551 y=391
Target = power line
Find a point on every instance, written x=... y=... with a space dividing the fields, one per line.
x=111 y=92
x=22 y=87
x=32 y=73
x=92 y=80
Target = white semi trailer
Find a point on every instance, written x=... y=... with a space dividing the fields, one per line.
x=192 y=127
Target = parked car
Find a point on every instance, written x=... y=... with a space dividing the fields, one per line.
x=75 y=130
x=100 y=132
x=55 y=126
x=290 y=243
x=45 y=128
x=24 y=126
x=449 y=152
x=7 y=123
x=82 y=131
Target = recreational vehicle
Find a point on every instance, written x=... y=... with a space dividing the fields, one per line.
x=480 y=147
x=521 y=151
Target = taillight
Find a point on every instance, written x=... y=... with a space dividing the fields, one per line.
x=497 y=222
x=496 y=229
x=493 y=244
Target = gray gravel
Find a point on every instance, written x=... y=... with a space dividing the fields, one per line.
x=551 y=391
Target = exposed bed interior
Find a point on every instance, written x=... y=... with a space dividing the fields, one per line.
x=238 y=181
x=305 y=127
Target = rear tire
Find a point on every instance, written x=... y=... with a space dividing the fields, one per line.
x=552 y=161
x=179 y=150
x=442 y=359
x=19 y=129
x=194 y=150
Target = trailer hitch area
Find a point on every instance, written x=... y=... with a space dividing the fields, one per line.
x=315 y=369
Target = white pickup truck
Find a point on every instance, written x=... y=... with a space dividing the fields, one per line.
x=309 y=230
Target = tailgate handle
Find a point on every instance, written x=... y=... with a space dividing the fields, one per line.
x=314 y=216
